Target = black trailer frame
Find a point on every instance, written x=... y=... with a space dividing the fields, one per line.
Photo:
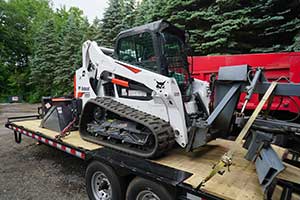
x=131 y=165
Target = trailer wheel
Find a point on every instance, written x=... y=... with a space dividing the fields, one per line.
x=102 y=183
x=143 y=189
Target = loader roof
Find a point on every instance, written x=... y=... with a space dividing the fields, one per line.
x=156 y=26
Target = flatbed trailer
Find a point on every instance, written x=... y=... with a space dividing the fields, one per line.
x=177 y=173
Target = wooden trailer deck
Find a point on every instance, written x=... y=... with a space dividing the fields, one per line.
x=240 y=183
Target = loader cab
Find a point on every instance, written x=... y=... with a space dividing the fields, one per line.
x=158 y=47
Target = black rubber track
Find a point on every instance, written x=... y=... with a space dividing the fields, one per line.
x=161 y=130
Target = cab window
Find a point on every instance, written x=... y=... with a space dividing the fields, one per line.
x=138 y=50
x=176 y=58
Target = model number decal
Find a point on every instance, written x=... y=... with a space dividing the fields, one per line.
x=84 y=88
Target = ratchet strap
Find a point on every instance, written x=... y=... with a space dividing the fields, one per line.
x=226 y=159
x=64 y=133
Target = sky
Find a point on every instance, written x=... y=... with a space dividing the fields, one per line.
x=91 y=8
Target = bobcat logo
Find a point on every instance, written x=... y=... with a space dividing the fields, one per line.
x=160 y=85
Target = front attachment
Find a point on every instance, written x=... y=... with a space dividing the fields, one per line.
x=60 y=113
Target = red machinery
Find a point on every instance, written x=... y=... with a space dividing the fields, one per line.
x=283 y=66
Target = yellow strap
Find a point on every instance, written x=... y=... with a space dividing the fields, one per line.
x=227 y=157
x=244 y=131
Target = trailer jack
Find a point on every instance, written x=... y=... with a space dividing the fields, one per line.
x=18 y=137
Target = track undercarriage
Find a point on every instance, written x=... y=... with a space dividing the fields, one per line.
x=118 y=126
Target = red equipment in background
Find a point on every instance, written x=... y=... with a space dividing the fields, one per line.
x=278 y=66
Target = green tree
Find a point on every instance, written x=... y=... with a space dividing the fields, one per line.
x=129 y=13
x=43 y=62
x=33 y=37
x=19 y=20
x=119 y=15
x=69 y=55
x=111 y=22
x=144 y=12
x=13 y=48
x=93 y=32
x=230 y=26
x=235 y=26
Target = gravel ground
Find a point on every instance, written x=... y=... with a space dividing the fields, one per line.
x=31 y=171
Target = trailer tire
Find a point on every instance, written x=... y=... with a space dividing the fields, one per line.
x=140 y=188
x=103 y=183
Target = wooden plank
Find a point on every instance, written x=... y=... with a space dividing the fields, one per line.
x=291 y=173
x=240 y=183
x=278 y=191
x=230 y=185
x=73 y=139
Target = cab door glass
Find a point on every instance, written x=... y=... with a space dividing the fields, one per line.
x=176 y=58
x=138 y=50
